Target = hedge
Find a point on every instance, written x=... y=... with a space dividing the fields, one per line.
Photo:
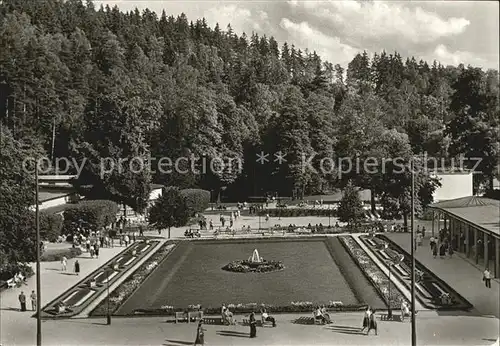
x=294 y=212
x=197 y=200
x=95 y=214
x=50 y=226
x=57 y=255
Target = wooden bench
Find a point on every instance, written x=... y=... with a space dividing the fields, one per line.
x=217 y=321
x=181 y=315
x=260 y=323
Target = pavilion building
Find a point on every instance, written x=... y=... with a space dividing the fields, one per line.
x=474 y=224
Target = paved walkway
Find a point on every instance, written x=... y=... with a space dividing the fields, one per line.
x=18 y=328
x=464 y=277
x=15 y=324
x=431 y=330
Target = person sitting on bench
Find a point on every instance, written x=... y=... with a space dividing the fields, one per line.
x=325 y=314
x=266 y=317
x=319 y=316
x=405 y=310
x=227 y=315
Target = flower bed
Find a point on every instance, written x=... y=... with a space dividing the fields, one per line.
x=118 y=296
x=294 y=307
x=253 y=267
x=294 y=212
x=378 y=279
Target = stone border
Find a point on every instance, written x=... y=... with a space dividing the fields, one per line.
x=464 y=305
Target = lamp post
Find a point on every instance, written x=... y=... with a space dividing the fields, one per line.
x=38 y=250
x=108 y=315
x=413 y=325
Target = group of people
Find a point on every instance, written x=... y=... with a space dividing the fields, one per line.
x=321 y=314
x=22 y=301
x=191 y=234
x=443 y=246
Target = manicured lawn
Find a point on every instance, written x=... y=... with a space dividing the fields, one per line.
x=193 y=275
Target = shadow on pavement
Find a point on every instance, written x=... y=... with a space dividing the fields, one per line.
x=233 y=334
x=346 y=330
x=11 y=309
x=303 y=320
x=179 y=342
x=53 y=269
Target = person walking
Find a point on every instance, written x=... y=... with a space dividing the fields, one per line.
x=33 y=300
x=435 y=251
x=96 y=249
x=64 y=263
x=366 y=318
x=200 y=335
x=22 y=301
x=372 y=324
x=77 y=267
x=487 y=277
x=126 y=239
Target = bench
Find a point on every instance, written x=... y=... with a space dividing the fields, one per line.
x=260 y=323
x=11 y=283
x=181 y=315
x=217 y=321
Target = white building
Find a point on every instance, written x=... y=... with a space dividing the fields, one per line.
x=453 y=185
x=56 y=192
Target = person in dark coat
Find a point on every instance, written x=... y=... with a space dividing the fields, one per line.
x=253 y=325
x=77 y=267
x=435 y=251
x=22 y=301
x=200 y=335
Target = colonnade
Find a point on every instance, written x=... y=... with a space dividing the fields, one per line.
x=473 y=241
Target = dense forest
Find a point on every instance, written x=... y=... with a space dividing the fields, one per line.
x=81 y=82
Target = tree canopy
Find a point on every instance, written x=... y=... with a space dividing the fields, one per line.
x=130 y=88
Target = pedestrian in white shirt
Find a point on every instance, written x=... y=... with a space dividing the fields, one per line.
x=64 y=263
x=487 y=278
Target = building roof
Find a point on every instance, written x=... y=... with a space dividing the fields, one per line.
x=364 y=195
x=480 y=211
x=44 y=196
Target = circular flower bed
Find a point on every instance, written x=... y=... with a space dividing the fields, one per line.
x=253 y=267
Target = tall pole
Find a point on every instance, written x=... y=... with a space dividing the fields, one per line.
x=389 y=310
x=413 y=327
x=38 y=250
x=108 y=315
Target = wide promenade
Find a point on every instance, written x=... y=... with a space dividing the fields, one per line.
x=19 y=328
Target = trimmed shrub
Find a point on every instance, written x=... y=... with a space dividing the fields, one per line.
x=197 y=200
x=90 y=214
x=50 y=226
x=57 y=255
